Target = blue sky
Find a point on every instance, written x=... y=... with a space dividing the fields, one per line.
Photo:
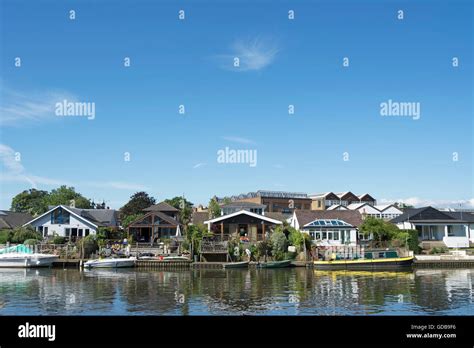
x=190 y=62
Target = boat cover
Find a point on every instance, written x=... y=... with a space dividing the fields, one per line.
x=20 y=248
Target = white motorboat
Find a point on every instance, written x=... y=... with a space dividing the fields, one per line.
x=21 y=256
x=111 y=263
x=26 y=260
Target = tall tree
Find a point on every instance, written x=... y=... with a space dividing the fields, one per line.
x=184 y=206
x=214 y=208
x=137 y=203
x=380 y=230
x=30 y=201
x=64 y=195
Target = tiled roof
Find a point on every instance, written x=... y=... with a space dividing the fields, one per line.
x=426 y=214
x=162 y=206
x=199 y=217
x=10 y=219
x=278 y=216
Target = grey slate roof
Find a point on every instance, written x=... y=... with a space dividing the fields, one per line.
x=10 y=219
x=278 y=216
x=199 y=217
x=162 y=206
x=100 y=217
x=430 y=214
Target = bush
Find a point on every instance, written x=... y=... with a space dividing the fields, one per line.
x=89 y=243
x=58 y=239
x=279 y=245
x=31 y=242
x=263 y=248
x=21 y=234
x=5 y=236
x=413 y=243
x=441 y=250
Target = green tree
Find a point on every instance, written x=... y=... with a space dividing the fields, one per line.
x=381 y=230
x=30 y=201
x=64 y=195
x=194 y=235
x=214 y=208
x=279 y=244
x=184 y=206
x=20 y=234
x=126 y=221
x=138 y=201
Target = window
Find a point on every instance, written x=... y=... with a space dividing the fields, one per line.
x=318 y=235
x=67 y=231
x=80 y=232
x=60 y=216
x=450 y=231
x=40 y=229
x=330 y=235
x=45 y=230
x=325 y=235
x=86 y=232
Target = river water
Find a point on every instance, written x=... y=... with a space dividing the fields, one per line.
x=293 y=291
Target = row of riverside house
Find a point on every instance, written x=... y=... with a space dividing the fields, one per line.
x=329 y=218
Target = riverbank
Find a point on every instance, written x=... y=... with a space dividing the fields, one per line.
x=425 y=261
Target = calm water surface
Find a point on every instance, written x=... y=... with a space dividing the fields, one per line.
x=295 y=291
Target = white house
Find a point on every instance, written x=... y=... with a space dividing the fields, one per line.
x=385 y=212
x=72 y=223
x=453 y=229
x=329 y=227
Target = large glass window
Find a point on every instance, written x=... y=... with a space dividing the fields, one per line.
x=60 y=216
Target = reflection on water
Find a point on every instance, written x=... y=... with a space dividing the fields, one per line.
x=295 y=291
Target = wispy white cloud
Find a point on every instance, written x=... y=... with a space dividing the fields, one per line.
x=253 y=54
x=21 y=107
x=439 y=203
x=239 y=140
x=13 y=170
x=198 y=165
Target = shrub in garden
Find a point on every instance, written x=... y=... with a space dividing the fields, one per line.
x=20 y=234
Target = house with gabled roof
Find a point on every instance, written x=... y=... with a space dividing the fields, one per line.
x=329 y=227
x=453 y=229
x=73 y=222
x=244 y=224
x=11 y=219
x=323 y=201
x=159 y=222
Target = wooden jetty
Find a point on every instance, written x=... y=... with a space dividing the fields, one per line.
x=163 y=264
x=444 y=263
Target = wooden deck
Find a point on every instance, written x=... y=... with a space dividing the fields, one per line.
x=444 y=263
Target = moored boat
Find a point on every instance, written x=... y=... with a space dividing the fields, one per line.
x=275 y=264
x=372 y=260
x=21 y=256
x=111 y=263
x=243 y=264
x=26 y=260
